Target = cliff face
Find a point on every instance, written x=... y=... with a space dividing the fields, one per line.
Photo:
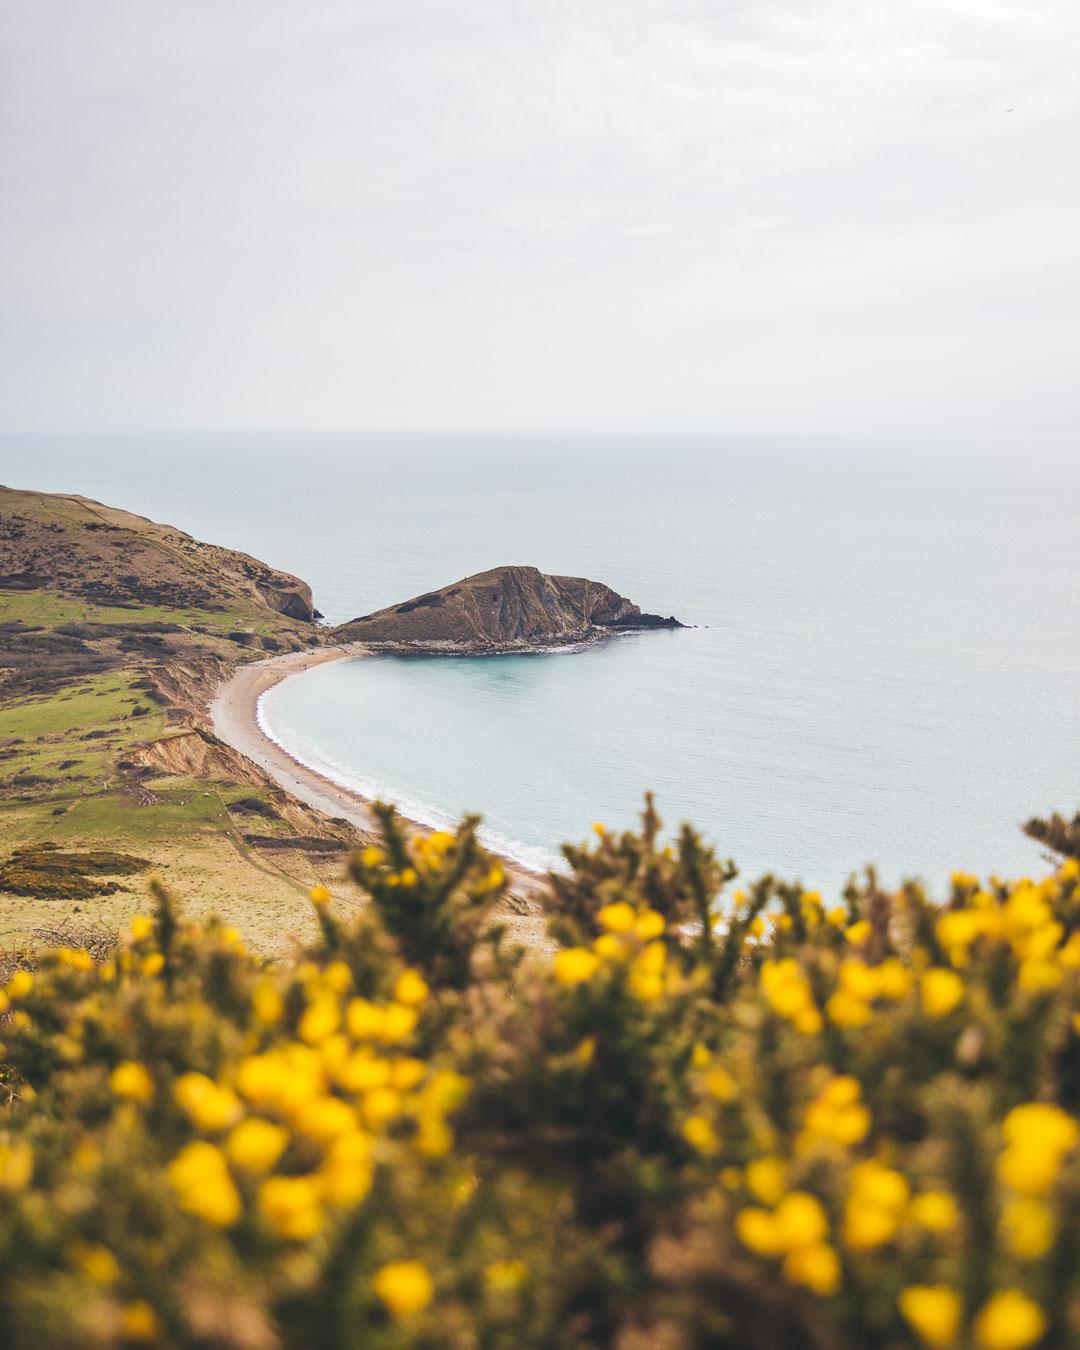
x=79 y=548
x=506 y=609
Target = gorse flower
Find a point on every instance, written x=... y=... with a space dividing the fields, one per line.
x=413 y=1132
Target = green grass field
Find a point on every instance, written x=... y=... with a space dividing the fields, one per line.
x=48 y=609
x=70 y=739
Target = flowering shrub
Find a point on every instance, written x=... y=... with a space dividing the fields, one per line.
x=749 y=1120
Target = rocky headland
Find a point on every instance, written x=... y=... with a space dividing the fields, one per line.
x=506 y=609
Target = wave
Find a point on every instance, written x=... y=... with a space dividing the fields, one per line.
x=532 y=857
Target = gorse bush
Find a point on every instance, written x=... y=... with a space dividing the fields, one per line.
x=706 y=1117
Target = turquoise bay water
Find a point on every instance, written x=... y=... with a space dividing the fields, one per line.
x=886 y=666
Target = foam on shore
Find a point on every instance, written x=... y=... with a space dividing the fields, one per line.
x=529 y=856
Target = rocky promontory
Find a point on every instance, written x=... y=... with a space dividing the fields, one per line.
x=504 y=610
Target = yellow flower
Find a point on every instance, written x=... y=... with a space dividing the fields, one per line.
x=1069 y=956
x=877 y=1198
x=616 y=918
x=321 y=1018
x=292 y=1206
x=267 y=1005
x=132 y=1080
x=1037 y=1136
x=609 y=947
x=207 y=1105
x=649 y=924
x=495 y=877
x=766 y=1179
x=1028 y=1171
x=16 y=1164
x=599 y=829
x=362 y=1071
x=646 y=984
x=720 y=1084
x=879 y=1185
x=139 y=1323
x=20 y=984
x=1028 y=1228
x=836 y=1115
x=200 y=1178
x=364 y=1020
x=942 y=990
x=153 y=964
x=801 y=1220
x=347 y=1170
x=255 y=1145
x=96 y=1262
x=1038 y=976
x=936 y=1211
x=934 y=1312
x=1040 y=1125
x=320 y=896
x=844 y=1010
x=699 y=1133
x=381 y=1105
x=372 y=856
x=324 y=1118
x=756 y=926
x=338 y=977
x=894 y=979
x=787 y=989
x=411 y=988
x=837 y=916
x=756 y=1230
x=857 y=979
x=405 y=1074
x=574 y=966
x=405 y=1287
x=867 y=1225
x=807 y=1021
x=959 y=928
x=1009 y=1321
x=398 y=1023
x=858 y=933
x=817 y=1267
x=141 y=927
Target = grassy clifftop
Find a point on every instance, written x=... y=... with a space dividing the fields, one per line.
x=113 y=630
x=77 y=547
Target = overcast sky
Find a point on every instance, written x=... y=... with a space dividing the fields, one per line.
x=539 y=214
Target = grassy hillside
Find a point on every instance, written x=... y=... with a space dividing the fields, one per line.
x=113 y=630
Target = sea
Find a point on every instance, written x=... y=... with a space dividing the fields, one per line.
x=881 y=664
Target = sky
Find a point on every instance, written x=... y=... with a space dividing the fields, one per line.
x=811 y=216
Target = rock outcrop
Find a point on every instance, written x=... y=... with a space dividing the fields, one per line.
x=504 y=610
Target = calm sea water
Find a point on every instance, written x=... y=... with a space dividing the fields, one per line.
x=885 y=668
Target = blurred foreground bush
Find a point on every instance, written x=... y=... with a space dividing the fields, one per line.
x=758 y=1120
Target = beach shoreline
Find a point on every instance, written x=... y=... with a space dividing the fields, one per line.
x=234 y=716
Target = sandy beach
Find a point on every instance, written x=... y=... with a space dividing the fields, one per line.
x=234 y=715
